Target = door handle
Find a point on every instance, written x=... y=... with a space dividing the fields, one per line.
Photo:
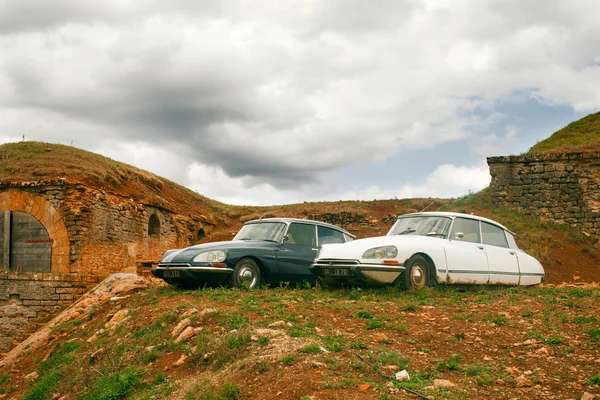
x=511 y=252
x=480 y=247
x=315 y=249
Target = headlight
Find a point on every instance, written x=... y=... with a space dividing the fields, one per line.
x=381 y=252
x=211 y=256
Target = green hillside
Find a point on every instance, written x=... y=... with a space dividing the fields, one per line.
x=581 y=135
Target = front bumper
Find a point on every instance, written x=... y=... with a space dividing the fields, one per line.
x=187 y=272
x=354 y=272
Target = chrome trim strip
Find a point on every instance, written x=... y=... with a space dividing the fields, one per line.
x=206 y=269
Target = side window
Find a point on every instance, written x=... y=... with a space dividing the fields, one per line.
x=493 y=235
x=328 y=235
x=348 y=238
x=511 y=241
x=468 y=227
x=302 y=234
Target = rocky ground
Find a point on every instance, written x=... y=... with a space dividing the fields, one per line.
x=319 y=343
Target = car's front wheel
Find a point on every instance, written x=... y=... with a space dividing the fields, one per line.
x=246 y=274
x=416 y=274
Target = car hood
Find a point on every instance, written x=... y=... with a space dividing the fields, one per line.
x=355 y=249
x=185 y=255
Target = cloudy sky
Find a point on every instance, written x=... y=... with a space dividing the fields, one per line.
x=272 y=102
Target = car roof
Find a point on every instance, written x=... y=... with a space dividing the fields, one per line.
x=300 y=220
x=456 y=214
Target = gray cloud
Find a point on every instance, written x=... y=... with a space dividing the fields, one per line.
x=282 y=91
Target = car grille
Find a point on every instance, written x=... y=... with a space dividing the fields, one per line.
x=335 y=263
x=169 y=265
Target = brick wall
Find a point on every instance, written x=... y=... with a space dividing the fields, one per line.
x=29 y=300
x=560 y=187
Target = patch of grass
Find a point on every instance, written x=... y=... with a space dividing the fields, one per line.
x=585 y=319
x=115 y=386
x=393 y=358
x=263 y=341
x=374 y=323
x=358 y=346
x=4 y=378
x=207 y=391
x=311 y=349
x=287 y=360
x=496 y=319
x=581 y=134
x=237 y=321
x=52 y=370
x=67 y=326
x=594 y=334
x=484 y=373
x=451 y=364
x=594 y=380
x=410 y=308
x=365 y=314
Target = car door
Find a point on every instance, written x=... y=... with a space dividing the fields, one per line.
x=297 y=253
x=502 y=260
x=465 y=254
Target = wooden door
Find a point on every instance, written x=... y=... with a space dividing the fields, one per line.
x=26 y=245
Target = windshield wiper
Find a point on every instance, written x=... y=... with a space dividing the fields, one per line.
x=409 y=230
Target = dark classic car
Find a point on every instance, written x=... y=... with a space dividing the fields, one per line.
x=269 y=250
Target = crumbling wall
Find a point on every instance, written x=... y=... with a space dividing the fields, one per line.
x=29 y=300
x=560 y=187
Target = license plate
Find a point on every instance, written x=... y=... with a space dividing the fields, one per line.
x=172 y=274
x=337 y=271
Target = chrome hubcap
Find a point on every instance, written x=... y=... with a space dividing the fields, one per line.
x=417 y=275
x=247 y=274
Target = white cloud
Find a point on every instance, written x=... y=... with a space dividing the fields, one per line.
x=446 y=181
x=275 y=94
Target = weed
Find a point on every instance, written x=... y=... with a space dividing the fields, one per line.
x=452 y=364
x=4 y=378
x=237 y=321
x=207 y=391
x=527 y=314
x=594 y=334
x=365 y=314
x=594 y=380
x=263 y=341
x=287 y=360
x=497 y=319
x=485 y=374
x=410 y=308
x=393 y=358
x=115 y=386
x=51 y=371
x=311 y=349
x=358 y=346
x=589 y=319
x=374 y=323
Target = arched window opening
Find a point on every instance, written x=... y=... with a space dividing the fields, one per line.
x=25 y=245
x=201 y=234
x=154 y=225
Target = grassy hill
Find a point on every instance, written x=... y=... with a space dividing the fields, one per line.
x=579 y=136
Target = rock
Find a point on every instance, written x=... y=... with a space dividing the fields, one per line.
x=185 y=335
x=588 y=396
x=75 y=314
x=180 y=327
x=403 y=376
x=364 y=387
x=117 y=318
x=378 y=337
x=180 y=362
x=33 y=375
x=95 y=336
x=391 y=368
x=522 y=381
x=277 y=324
x=207 y=313
x=190 y=312
x=542 y=350
x=442 y=383
x=56 y=396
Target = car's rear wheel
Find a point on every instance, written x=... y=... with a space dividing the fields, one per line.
x=246 y=274
x=416 y=274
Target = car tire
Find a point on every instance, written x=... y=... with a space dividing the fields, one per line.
x=246 y=274
x=416 y=275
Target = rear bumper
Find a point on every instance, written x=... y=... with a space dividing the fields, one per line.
x=354 y=272
x=186 y=272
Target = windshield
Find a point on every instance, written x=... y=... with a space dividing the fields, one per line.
x=434 y=226
x=272 y=231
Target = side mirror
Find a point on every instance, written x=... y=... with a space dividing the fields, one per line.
x=459 y=235
x=285 y=238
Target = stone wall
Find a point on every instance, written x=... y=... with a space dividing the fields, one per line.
x=97 y=233
x=559 y=187
x=29 y=300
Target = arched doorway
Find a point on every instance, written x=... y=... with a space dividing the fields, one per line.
x=25 y=245
x=154 y=225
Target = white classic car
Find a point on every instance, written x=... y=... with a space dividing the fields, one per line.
x=423 y=249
